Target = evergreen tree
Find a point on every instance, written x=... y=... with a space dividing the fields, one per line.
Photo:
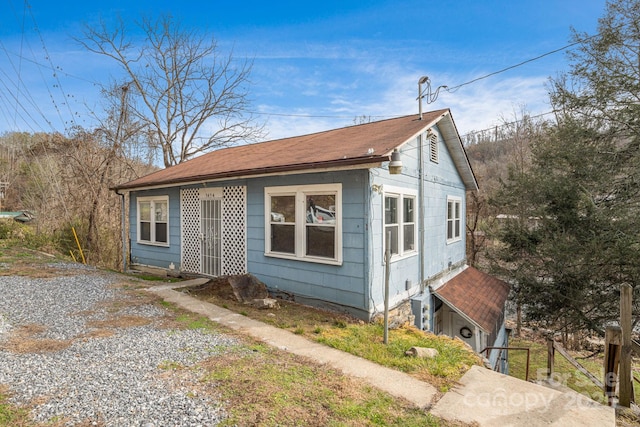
x=571 y=237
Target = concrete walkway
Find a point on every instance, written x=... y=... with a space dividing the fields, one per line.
x=394 y=382
x=483 y=397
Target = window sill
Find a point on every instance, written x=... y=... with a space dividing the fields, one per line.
x=450 y=241
x=315 y=260
x=402 y=257
x=148 y=243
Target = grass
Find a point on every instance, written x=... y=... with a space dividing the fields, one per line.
x=357 y=337
x=366 y=340
x=10 y=415
x=563 y=371
x=267 y=387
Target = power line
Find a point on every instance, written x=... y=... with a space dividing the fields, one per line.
x=455 y=88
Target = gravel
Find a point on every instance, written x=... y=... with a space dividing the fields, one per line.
x=139 y=376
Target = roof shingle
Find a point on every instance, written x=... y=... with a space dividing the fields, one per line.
x=477 y=295
x=360 y=144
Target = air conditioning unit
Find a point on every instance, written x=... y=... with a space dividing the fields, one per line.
x=421 y=309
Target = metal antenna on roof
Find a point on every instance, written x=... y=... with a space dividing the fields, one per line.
x=431 y=96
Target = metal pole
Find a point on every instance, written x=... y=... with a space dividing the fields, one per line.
x=387 y=257
x=123 y=231
x=420 y=99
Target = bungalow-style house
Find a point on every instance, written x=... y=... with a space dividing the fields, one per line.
x=312 y=217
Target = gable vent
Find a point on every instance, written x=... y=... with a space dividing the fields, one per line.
x=433 y=148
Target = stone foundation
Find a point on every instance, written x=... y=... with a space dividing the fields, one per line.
x=399 y=315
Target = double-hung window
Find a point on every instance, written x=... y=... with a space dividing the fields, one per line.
x=153 y=220
x=454 y=223
x=400 y=221
x=304 y=222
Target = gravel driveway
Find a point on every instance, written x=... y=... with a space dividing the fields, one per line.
x=81 y=350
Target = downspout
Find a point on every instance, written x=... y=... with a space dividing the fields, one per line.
x=421 y=212
x=368 y=260
x=123 y=235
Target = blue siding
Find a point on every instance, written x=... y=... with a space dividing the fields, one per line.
x=157 y=256
x=440 y=180
x=344 y=284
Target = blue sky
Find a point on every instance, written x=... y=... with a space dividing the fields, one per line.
x=317 y=65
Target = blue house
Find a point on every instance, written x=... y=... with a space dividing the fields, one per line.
x=312 y=217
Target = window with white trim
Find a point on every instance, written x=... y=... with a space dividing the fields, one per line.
x=400 y=221
x=454 y=222
x=153 y=220
x=304 y=222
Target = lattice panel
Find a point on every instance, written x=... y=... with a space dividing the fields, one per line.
x=190 y=225
x=234 y=230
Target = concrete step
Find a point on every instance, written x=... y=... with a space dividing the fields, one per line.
x=489 y=398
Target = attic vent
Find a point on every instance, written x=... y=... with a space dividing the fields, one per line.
x=433 y=147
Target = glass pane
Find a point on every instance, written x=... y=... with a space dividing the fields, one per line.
x=457 y=210
x=391 y=236
x=145 y=231
x=457 y=222
x=321 y=208
x=283 y=209
x=283 y=238
x=161 y=211
x=321 y=241
x=449 y=229
x=449 y=210
x=409 y=238
x=161 y=232
x=145 y=211
x=408 y=212
x=390 y=210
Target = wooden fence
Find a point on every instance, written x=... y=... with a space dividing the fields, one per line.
x=617 y=356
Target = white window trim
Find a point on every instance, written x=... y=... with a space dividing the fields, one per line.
x=300 y=192
x=458 y=200
x=152 y=199
x=400 y=193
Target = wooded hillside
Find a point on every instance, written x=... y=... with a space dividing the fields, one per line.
x=65 y=183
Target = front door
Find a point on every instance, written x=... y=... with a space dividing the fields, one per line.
x=211 y=236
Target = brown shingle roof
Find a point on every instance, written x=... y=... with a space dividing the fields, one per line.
x=354 y=145
x=477 y=295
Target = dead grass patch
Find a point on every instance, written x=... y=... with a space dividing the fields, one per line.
x=124 y=321
x=23 y=340
x=29 y=345
x=99 y=333
x=29 y=270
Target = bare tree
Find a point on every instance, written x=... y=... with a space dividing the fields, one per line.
x=191 y=97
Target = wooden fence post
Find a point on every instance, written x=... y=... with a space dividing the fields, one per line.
x=551 y=352
x=626 y=387
x=612 y=343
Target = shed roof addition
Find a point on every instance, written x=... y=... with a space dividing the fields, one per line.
x=477 y=295
x=365 y=144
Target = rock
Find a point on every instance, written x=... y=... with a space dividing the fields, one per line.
x=486 y=363
x=422 y=352
x=247 y=288
x=265 y=303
